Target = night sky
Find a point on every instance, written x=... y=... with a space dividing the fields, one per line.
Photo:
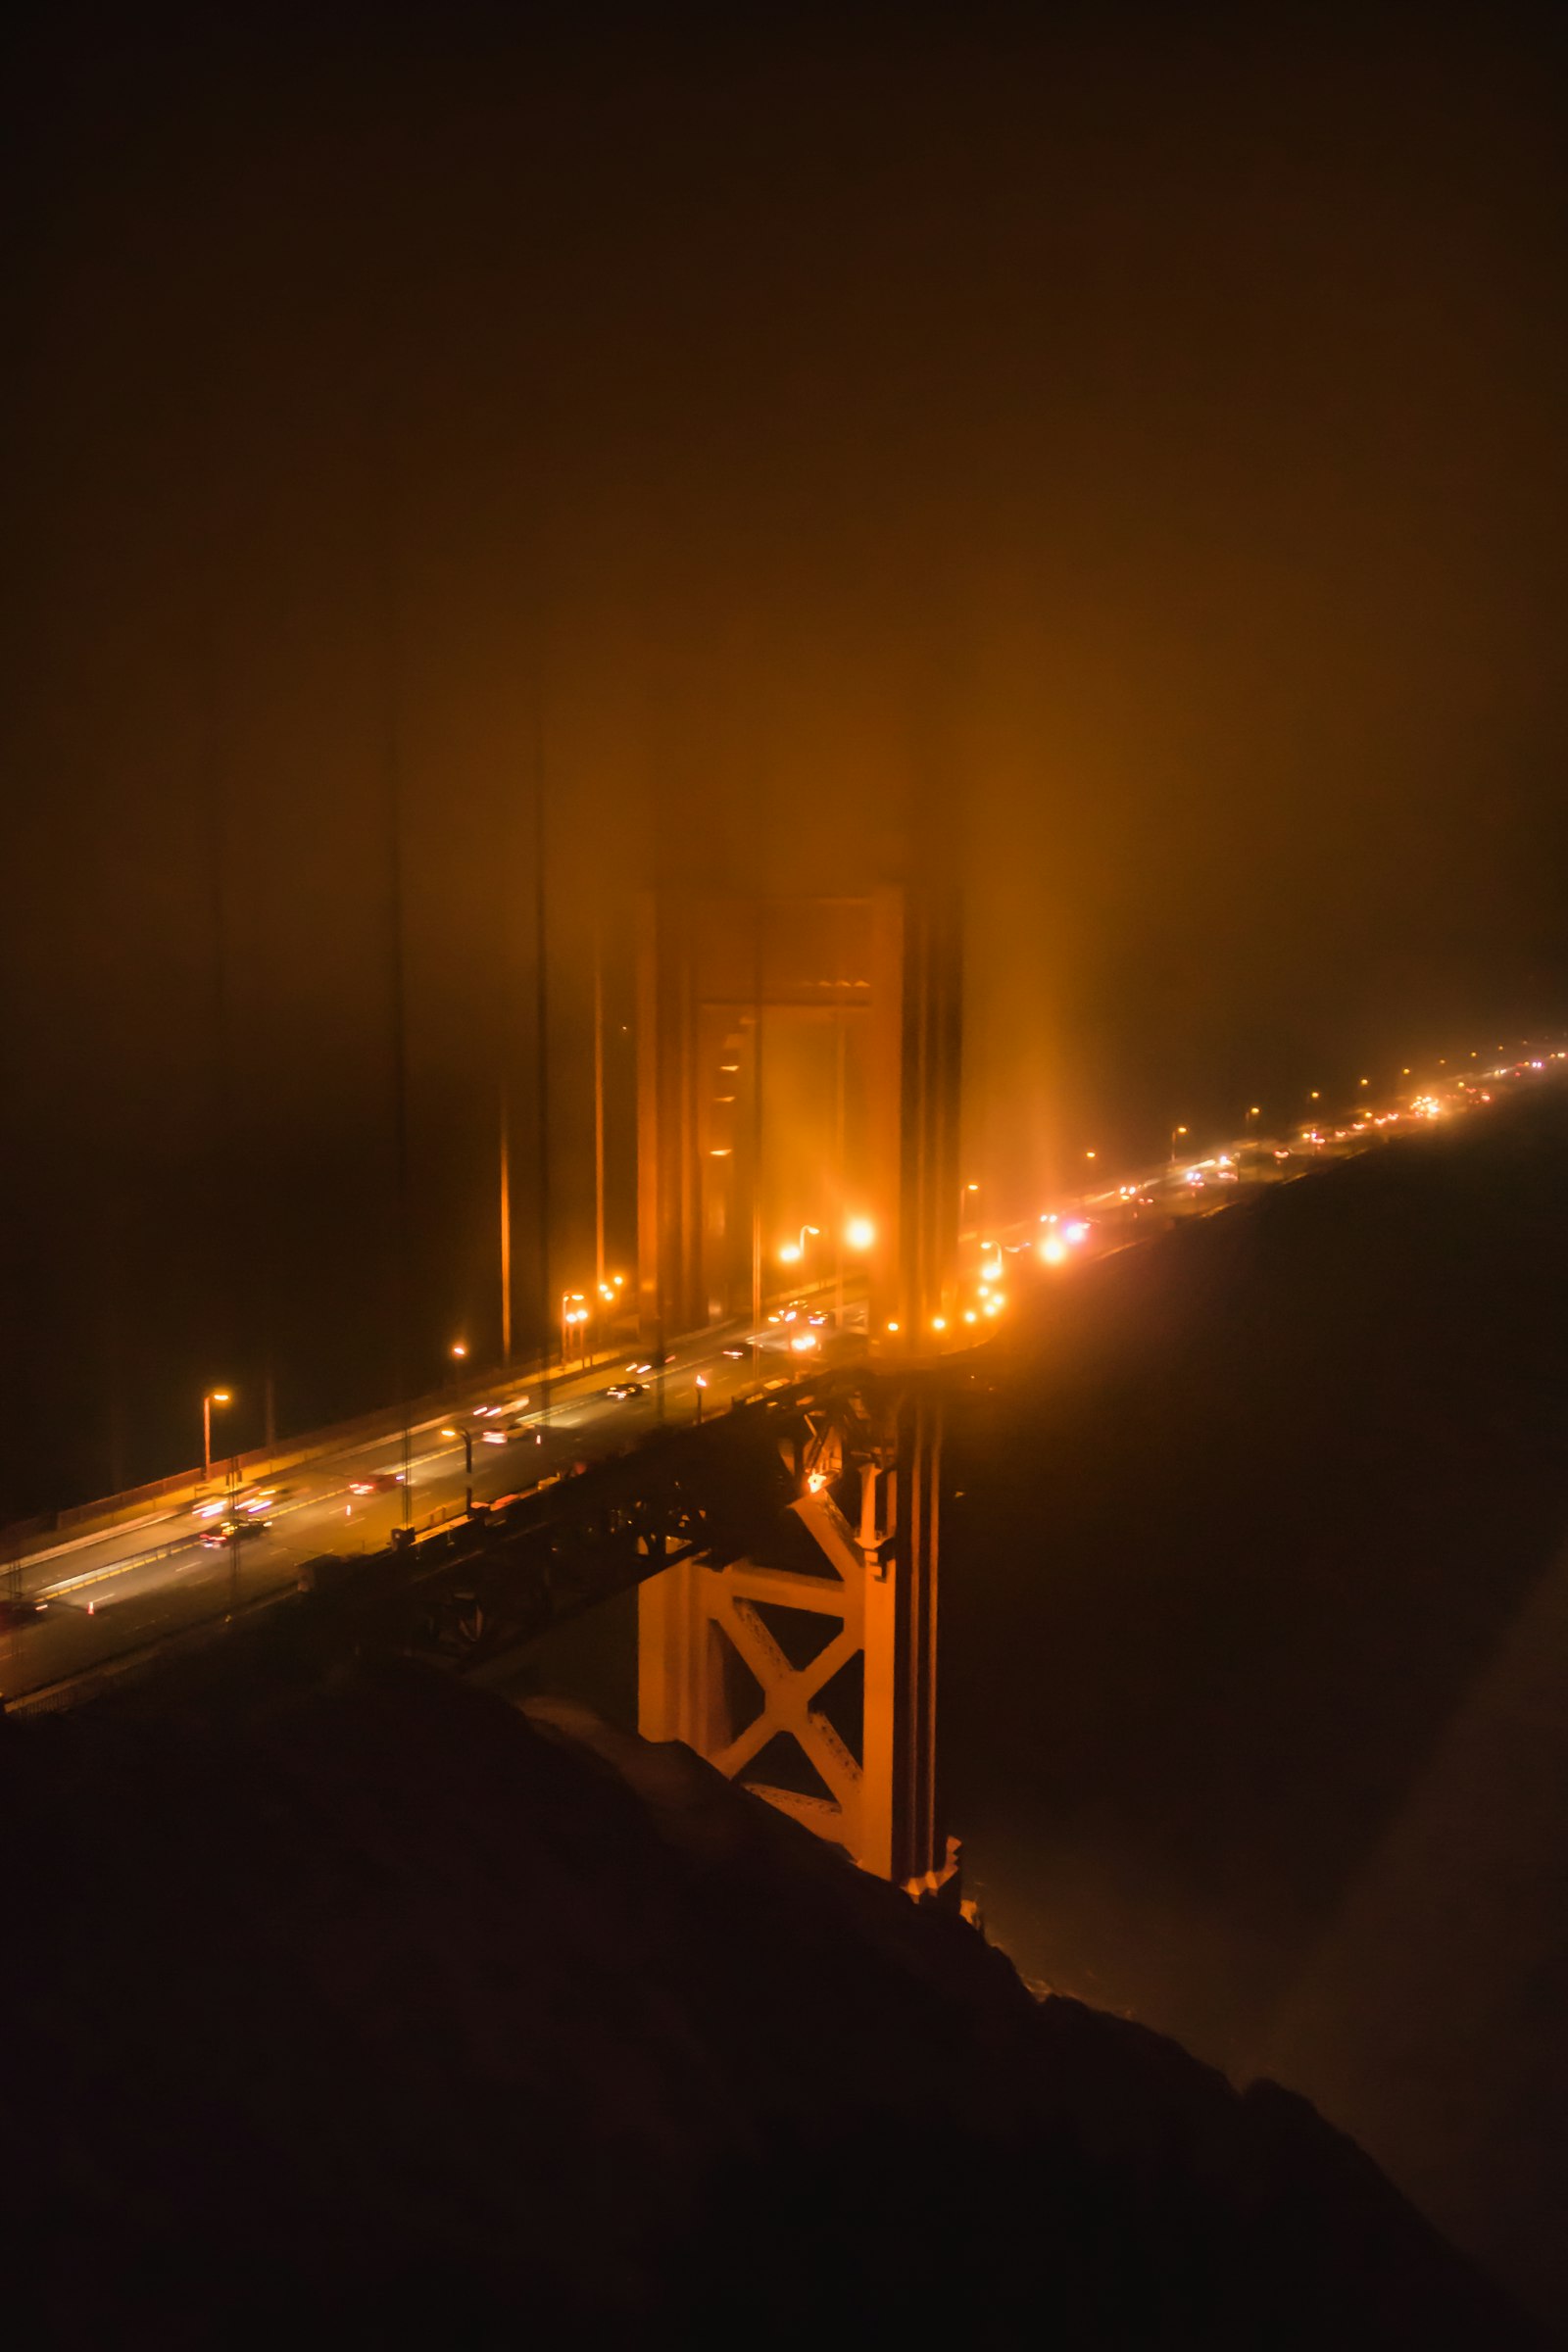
x=1128 y=441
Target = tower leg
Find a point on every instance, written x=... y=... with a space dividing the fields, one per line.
x=877 y=1601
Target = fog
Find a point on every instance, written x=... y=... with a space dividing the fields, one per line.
x=1114 y=461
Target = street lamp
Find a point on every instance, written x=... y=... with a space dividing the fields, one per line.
x=859 y=1233
x=701 y=1383
x=1249 y=1135
x=467 y=1435
x=1175 y=1134
x=212 y=1397
x=573 y=1315
x=792 y=1252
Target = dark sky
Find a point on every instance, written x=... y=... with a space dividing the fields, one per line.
x=1134 y=435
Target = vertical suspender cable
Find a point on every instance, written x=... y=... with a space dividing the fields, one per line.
x=402 y=1291
x=542 y=1056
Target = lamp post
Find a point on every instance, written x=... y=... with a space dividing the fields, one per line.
x=1175 y=1134
x=467 y=1435
x=701 y=1383
x=792 y=1252
x=212 y=1397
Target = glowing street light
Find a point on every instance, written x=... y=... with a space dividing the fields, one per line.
x=212 y=1397
x=1176 y=1133
x=1250 y=1130
x=859 y=1233
x=467 y=1435
x=791 y=1252
x=574 y=1315
x=701 y=1383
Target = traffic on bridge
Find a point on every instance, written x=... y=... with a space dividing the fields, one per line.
x=229 y=1544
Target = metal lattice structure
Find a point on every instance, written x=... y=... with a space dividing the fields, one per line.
x=748 y=1657
x=812 y=1680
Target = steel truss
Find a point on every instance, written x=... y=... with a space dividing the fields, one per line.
x=813 y=1680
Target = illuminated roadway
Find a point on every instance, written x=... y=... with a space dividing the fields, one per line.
x=110 y=1592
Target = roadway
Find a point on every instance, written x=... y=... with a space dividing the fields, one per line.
x=109 y=1592
x=105 y=1595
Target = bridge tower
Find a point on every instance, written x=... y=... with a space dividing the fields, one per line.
x=811 y=1675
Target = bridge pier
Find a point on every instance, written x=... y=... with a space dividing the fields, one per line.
x=814 y=1683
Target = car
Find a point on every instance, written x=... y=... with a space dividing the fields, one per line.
x=16 y=1614
x=620 y=1390
x=238 y=1498
x=257 y=1505
x=232 y=1531
x=739 y=1353
x=377 y=1482
x=817 y=1315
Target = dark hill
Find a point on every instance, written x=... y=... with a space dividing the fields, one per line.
x=385 y=2014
